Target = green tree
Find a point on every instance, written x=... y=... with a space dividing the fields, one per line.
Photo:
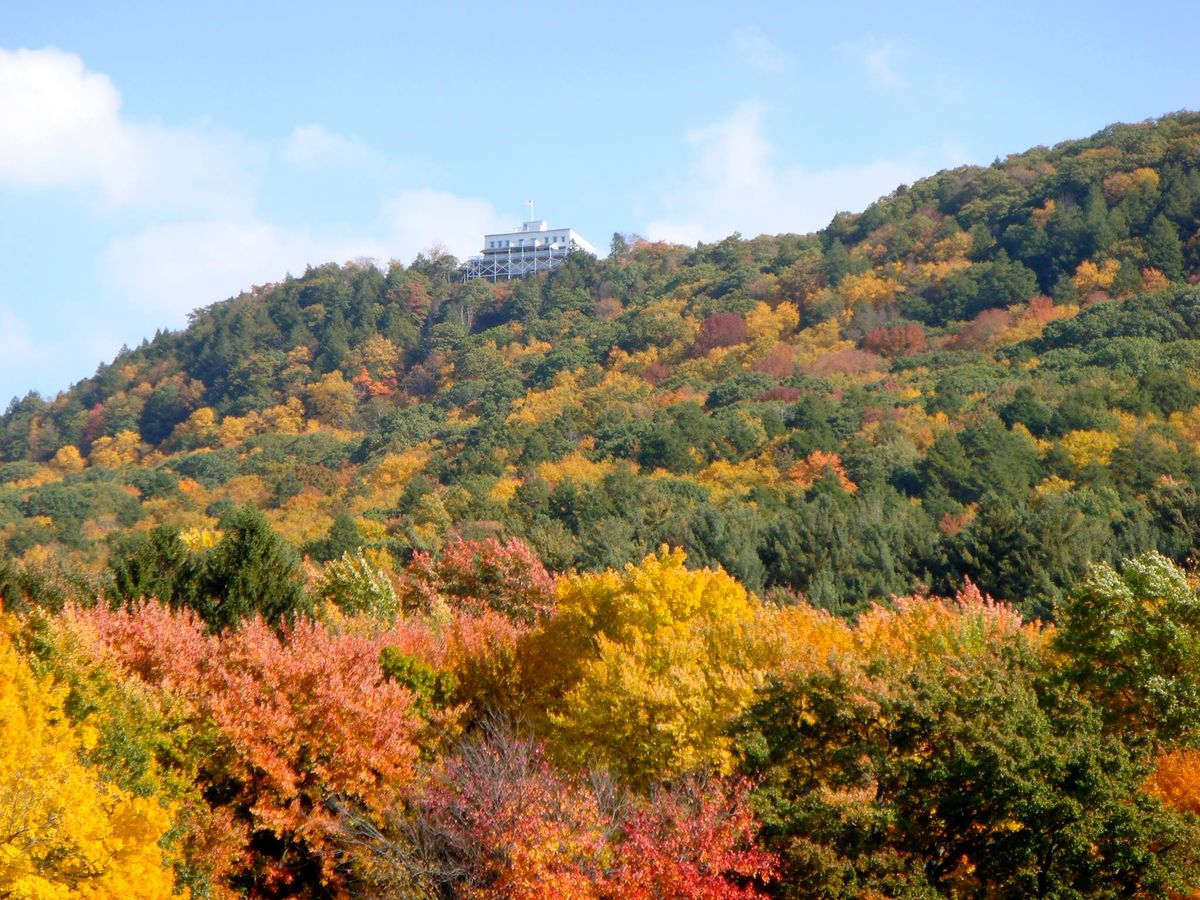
x=1133 y=641
x=969 y=774
x=252 y=572
x=1164 y=250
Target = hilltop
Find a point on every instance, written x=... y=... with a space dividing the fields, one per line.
x=989 y=373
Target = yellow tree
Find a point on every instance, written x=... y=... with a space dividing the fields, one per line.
x=650 y=665
x=63 y=832
x=332 y=400
x=113 y=452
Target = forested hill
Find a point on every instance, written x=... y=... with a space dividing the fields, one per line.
x=991 y=373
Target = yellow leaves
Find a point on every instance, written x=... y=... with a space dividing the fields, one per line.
x=331 y=400
x=286 y=418
x=1053 y=486
x=1089 y=277
x=726 y=479
x=820 y=340
x=304 y=517
x=952 y=250
x=1084 y=447
x=805 y=638
x=537 y=407
x=505 y=488
x=198 y=540
x=68 y=459
x=386 y=482
x=1139 y=181
x=766 y=325
x=654 y=661
x=63 y=832
x=576 y=467
x=379 y=356
x=1042 y=214
x=936 y=271
x=869 y=288
x=114 y=452
x=395 y=469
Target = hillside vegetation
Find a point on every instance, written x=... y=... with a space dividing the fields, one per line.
x=989 y=373
x=854 y=564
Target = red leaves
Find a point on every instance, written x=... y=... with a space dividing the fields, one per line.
x=900 y=340
x=693 y=842
x=724 y=329
x=476 y=576
x=517 y=828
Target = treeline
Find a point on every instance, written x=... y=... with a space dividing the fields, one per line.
x=472 y=726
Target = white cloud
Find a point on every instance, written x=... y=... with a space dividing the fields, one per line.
x=315 y=146
x=174 y=268
x=188 y=198
x=735 y=183
x=755 y=48
x=879 y=61
x=63 y=128
x=417 y=219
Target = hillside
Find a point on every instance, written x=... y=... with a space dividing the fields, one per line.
x=991 y=373
x=488 y=680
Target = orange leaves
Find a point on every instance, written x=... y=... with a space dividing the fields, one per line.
x=1176 y=780
x=817 y=465
x=303 y=716
x=476 y=576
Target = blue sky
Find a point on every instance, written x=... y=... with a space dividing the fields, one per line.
x=157 y=157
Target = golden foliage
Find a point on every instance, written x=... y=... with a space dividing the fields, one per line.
x=869 y=288
x=1084 y=447
x=331 y=400
x=1089 y=277
x=651 y=664
x=766 y=325
x=537 y=407
x=576 y=467
x=68 y=459
x=64 y=833
x=114 y=452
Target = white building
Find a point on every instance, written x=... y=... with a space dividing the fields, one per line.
x=534 y=248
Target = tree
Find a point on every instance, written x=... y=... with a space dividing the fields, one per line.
x=475 y=576
x=649 y=666
x=1133 y=643
x=950 y=760
x=301 y=717
x=1164 y=249
x=64 y=832
x=252 y=572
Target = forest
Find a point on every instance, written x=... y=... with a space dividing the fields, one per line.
x=858 y=563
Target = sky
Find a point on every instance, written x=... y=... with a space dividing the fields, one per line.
x=156 y=157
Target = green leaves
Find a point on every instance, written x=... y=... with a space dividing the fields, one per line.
x=1134 y=641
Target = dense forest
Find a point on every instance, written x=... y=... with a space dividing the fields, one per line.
x=668 y=574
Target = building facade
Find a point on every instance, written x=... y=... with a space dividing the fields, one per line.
x=533 y=248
